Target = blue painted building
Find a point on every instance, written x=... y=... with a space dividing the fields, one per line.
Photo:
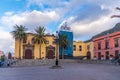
x=68 y=51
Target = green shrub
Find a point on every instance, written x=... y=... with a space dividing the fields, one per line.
x=2 y=58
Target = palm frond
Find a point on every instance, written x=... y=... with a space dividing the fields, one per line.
x=19 y=32
x=40 y=35
x=63 y=41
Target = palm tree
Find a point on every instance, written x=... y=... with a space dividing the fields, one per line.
x=19 y=34
x=39 y=37
x=63 y=43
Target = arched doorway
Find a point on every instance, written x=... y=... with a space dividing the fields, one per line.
x=88 y=55
x=50 y=52
x=28 y=54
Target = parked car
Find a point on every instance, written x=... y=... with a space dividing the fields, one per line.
x=1 y=63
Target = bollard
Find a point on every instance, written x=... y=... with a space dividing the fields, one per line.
x=56 y=63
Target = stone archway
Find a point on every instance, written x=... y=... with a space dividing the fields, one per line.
x=28 y=51
x=50 y=52
x=88 y=55
x=28 y=54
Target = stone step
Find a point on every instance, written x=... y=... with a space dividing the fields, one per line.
x=52 y=62
x=95 y=61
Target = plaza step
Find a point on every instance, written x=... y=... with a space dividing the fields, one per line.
x=95 y=61
x=32 y=62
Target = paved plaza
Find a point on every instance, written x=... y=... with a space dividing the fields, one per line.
x=72 y=71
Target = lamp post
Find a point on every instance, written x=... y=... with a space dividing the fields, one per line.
x=57 y=48
x=56 y=66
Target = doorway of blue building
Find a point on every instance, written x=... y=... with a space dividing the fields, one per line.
x=28 y=54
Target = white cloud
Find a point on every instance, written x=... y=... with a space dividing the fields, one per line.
x=30 y=19
x=89 y=29
x=8 y=13
x=91 y=19
x=6 y=41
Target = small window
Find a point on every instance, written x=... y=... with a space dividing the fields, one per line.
x=107 y=44
x=99 y=45
x=80 y=48
x=116 y=43
x=74 y=47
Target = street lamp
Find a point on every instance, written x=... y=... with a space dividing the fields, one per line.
x=56 y=66
x=57 y=47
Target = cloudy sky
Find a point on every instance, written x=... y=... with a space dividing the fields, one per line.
x=85 y=17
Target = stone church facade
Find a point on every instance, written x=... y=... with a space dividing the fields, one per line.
x=30 y=50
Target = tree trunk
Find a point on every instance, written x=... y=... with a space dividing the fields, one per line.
x=40 y=51
x=57 y=52
x=19 y=49
x=62 y=53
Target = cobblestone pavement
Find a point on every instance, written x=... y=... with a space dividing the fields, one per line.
x=73 y=71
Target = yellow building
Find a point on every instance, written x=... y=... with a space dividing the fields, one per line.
x=83 y=49
x=89 y=49
x=29 y=50
x=79 y=48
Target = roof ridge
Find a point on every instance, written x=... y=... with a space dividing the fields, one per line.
x=112 y=30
